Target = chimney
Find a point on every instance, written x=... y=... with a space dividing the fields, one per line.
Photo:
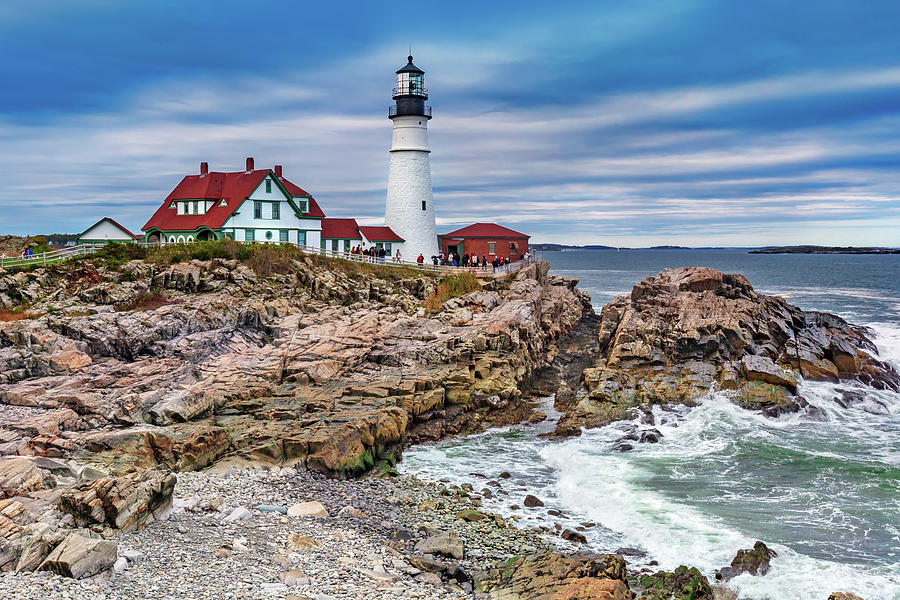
x=278 y=171
x=249 y=163
x=204 y=168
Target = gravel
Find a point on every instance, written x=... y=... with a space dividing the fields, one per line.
x=198 y=553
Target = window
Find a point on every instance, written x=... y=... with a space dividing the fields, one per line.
x=346 y=245
x=334 y=245
x=172 y=205
x=196 y=207
x=491 y=247
x=387 y=247
x=249 y=235
x=268 y=235
x=276 y=210
x=513 y=246
x=423 y=205
x=223 y=203
x=283 y=236
x=301 y=238
x=303 y=204
x=268 y=186
x=181 y=208
x=257 y=209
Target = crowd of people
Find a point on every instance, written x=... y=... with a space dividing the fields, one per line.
x=450 y=259
x=376 y=254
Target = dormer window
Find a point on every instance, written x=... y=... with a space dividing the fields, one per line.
x=303 y=204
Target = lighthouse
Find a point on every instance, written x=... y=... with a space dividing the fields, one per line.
x=410 y=203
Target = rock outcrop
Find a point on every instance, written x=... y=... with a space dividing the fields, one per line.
x=687 y=331
x=551 y=576
x=752 y=560
x=324 y=366
x=683 y=582
x=61 y=526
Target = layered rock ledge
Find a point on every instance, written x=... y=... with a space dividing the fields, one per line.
x=687 y=331
x=178 y=367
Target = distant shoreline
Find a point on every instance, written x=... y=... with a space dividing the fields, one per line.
x=750 y=250
x=825 y=250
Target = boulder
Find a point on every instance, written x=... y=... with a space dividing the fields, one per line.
x=844 y=596
x=761 y=368
x=298 y=541
x=79 y=557
x=307 y=509
x=532 y=501
x=471 y=515
x=20 y=476
x=753 y=560
x=552 y=576
x=121 y=503
x=443 y=544
x=683 y=582
x=573 y=536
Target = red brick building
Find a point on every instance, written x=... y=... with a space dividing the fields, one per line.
x=485 y=239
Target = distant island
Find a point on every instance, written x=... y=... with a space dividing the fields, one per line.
x=558 y=247
x=824 y=250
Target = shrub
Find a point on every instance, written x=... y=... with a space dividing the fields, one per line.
x=115 y=254
x=451 y=286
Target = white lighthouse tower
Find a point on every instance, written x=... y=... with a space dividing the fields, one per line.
x=410 y=203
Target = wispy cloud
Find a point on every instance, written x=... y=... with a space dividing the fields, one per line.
x=808 y=154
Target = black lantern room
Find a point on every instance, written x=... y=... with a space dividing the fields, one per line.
x=410 y=94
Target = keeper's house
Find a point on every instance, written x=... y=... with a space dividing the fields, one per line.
x=104 y=231
x=485 y=239
x=252 y=205
x=342 y=235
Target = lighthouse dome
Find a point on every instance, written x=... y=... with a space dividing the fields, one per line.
x=410 y=82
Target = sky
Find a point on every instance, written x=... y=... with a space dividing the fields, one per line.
x=606 y=122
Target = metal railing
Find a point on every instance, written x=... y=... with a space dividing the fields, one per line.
x=62 y=254
x=392 y=111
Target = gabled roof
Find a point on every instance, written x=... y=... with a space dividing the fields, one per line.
x=380 y=234
x=115 y=223
x=342 y=229
x=233 y=188
x=485 y=230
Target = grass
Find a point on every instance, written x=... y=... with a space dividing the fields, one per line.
x=451 y=286
x=146 y=300
x=14 y=315
x=356 y=269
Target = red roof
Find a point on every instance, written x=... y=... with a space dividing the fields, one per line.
x=485 y=230
x=380 y=234
x=231 y=187
x=342 y=229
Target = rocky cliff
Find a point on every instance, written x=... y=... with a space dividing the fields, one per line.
x=178 y=367
x=684 y=332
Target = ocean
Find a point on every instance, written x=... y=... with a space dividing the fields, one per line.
x=824 y=494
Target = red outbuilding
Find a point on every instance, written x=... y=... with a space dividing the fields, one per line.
x=485 y=239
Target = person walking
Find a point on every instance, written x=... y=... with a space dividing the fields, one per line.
x=420 y=261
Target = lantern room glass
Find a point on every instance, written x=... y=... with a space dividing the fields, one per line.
x=410 y=84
